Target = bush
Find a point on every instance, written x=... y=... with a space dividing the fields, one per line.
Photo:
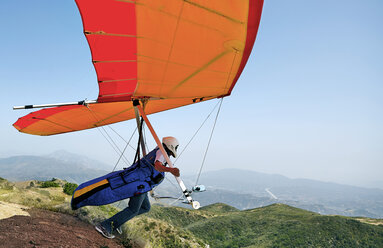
x=69 y=188
x=49 y=184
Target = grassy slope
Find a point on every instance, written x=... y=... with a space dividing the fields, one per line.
x=284 y=226
x=218 y=225
x=277 y=225
x=144 y=231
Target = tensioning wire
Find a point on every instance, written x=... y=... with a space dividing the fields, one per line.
x=208 y=145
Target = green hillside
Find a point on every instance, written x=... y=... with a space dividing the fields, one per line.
x=284 y=226
x=217 y=225
x=277 y=225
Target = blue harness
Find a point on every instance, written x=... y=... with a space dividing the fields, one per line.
x=118 y=185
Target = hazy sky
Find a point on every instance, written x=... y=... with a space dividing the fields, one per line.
x=308 y=104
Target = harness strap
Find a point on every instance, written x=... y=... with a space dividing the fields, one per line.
x=137 y=157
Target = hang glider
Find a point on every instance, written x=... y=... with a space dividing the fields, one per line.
x=171 y=53
x=151 y=56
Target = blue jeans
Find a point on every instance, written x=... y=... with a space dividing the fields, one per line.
x=137 y=205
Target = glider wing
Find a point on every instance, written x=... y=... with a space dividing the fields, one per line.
x=171 y=52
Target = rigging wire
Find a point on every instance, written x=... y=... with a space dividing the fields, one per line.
x=191 y=139
x=127 y=144
x=127 y=162
x=170 y=181
x=179 y=198
x=208 y=145
x=203 y=123
x=169 y=197
x=119 y=135
x=106 y=136
x=215 y=121
x=219 y=103
x=112 y=143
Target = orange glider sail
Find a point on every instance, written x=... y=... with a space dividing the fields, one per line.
x=170 y=52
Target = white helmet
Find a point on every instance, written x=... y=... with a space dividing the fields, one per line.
x=171 y=144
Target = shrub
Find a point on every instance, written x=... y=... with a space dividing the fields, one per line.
x=69 y=188
x=49 y=184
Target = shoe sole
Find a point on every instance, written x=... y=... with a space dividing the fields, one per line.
x=103 y=234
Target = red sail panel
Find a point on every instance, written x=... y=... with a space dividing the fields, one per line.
x=255 y=11
x=110 y=28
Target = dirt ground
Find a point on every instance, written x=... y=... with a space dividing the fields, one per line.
x=50 y=229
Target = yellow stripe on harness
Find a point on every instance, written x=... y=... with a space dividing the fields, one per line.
x=89 y=188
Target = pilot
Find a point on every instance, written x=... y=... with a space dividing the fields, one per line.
x=139 y=204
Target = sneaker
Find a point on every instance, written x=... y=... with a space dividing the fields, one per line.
x=119 y=230
x=103 y=231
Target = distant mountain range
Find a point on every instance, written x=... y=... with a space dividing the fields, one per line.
x=70 y=167
x=79 y=160
x=249 y=189
x=239 y=188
